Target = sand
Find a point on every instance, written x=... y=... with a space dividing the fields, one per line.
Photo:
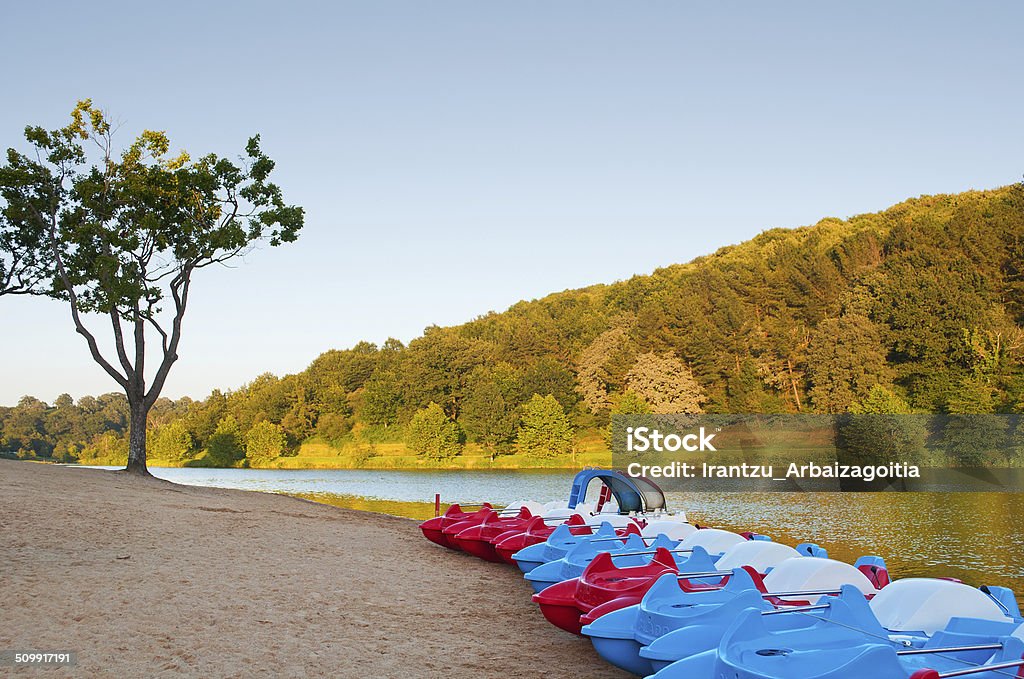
x=144 y=578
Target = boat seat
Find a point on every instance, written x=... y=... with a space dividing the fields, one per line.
x=811 y=549
x=878 y=576
x=760 y=555
x=812 y=574
x=927 y=605
x=673 y=529
x=714 y=540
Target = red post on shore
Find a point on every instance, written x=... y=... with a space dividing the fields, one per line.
x=437 y=504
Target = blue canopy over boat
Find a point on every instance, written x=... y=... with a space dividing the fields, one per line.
x=633 y=494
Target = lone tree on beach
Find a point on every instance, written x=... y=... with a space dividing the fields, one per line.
x=119 y=234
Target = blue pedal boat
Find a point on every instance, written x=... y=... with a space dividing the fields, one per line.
x=912 y=626
x=558 y=545
x=670 y=623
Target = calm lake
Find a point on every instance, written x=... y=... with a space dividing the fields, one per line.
x=976 y=537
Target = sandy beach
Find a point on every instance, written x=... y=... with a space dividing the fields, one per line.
x=144 y=578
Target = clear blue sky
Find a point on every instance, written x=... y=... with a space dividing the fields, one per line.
x=455 y=157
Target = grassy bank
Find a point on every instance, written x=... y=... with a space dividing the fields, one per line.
x=318 y=455
x=591 y=451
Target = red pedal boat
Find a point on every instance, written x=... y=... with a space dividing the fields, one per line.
x=476 y=539
x=433 y=529
x=536 y=531
x=564 y=602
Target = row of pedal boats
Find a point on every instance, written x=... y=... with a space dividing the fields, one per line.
x=660 y=597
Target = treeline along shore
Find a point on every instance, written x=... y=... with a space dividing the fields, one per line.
x=915 y=309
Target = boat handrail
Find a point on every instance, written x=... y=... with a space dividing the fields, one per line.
x=672 y=551
x=949 y=649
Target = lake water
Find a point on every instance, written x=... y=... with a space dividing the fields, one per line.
x=976 y=537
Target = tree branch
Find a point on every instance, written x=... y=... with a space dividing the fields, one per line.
x=122 y=354
x=179 y=291
x=163 y=333
x=16 y=279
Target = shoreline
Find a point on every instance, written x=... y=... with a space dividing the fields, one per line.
x=161 y=464
x=145 y=577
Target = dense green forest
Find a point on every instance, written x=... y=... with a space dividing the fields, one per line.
x=918 y=308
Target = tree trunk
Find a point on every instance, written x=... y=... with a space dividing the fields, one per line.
x=792 y=382
x=137 y=437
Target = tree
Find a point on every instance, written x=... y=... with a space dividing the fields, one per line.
x=300 y=420
x=437 y=365
x=973 y=396
x=172 y=442
x=204 y=417
x=545 y=430
x=264 y=443
x=845 y=358
x=333 y=426
x=25 y=428
x=349 y=368
x=432 y=434
x=66 y=451
x=380 y=399
x=264 y=398
x=1014 y=449
x=600 y=367
x=628 y=403
x=666 y=384
x=490 y=411
x=226 y=443
x=745 y=390
x=106 y=448
x=880 y=401
x=64 y=423
x=880 y=429
x=971 y=440
x=547 y=376
x=122 y=233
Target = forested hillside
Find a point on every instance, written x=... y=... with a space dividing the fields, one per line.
x=917 y=308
